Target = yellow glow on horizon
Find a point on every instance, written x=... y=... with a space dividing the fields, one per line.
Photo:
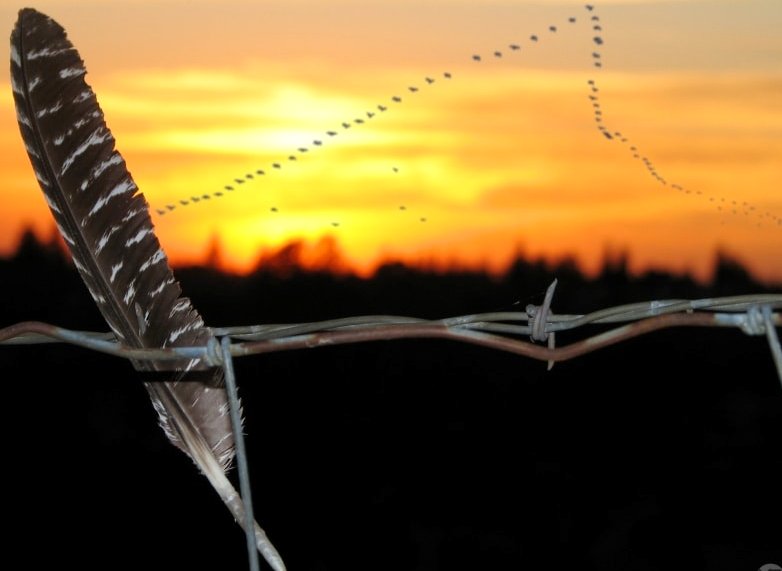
x=502 y=156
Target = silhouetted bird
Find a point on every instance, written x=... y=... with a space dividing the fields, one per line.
x=249 y=175
x=359 y=121
x=331 y=133
x=382 y=107
x=595 y=55
x=238 y=181
x=396 y=99
x=302 y=150
x=597 y=28
x=589 y=7
x=497 y=54
x=184 y=202
x=276 y=165
x=273 y=209
x=259 y=171
x=534 y=38
x=335 y=224
x=412 y=89
x=370 y=114
x=170 y=206
x=395 y=169
x=228 y=187
x=447 y=75
x=515 y=47
x=346 y=125
x=572 y=20
x=429 y=80
x=595 y=19
x=552 y=28
x=291 y=158
x=476 y=57
x=317 y=142
x=598 y=40
x=403 y=208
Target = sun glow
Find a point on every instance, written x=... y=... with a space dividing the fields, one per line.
x=387 y=157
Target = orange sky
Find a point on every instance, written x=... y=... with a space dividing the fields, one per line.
x=502 y=157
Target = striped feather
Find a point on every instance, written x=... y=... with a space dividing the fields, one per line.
x=105 y=222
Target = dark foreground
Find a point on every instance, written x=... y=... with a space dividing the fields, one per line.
x=661 y=453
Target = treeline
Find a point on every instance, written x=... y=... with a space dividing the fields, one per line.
x=39 y=282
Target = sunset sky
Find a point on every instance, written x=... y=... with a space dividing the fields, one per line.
x=503 y=157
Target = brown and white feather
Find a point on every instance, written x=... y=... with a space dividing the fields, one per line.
x=105 y=222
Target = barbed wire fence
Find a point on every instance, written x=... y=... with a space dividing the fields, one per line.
x=755 y=315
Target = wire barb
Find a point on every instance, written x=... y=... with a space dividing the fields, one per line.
x=496 y=331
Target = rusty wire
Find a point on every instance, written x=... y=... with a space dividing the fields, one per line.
x=502 y=331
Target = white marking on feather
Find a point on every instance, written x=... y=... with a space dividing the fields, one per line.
x=72 y=72
x=34 y=82
x=115 y=159
x=80 y=267
x=79 y=124
x=118 y=190
x=58 y=140
x=42 y=179
x=133 y=213
x=31 y=151
x=65 y=235
x=22 y=118
x=155 y=258
x=15 y=56
x=130 y=292
x=52 y=204
x=105 y=238
x=176 y=333
x=192 y=364
x=138 y=237
x=45 y=52
x=97 y=137
x=49 y=110
x=115 y=268
x=83 y=96
x=162 y=415
x=15 y=87
x=157 y=290
x=99 y=299
x=181 y=305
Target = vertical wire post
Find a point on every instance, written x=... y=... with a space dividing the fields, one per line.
x=241 y=453
x=773 y=340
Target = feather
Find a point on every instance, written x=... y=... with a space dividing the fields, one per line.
x=105 y=222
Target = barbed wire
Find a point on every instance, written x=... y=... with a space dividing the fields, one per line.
x=752 y=314
x=503 y=331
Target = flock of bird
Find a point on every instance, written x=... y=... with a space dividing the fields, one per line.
x=722 y=204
